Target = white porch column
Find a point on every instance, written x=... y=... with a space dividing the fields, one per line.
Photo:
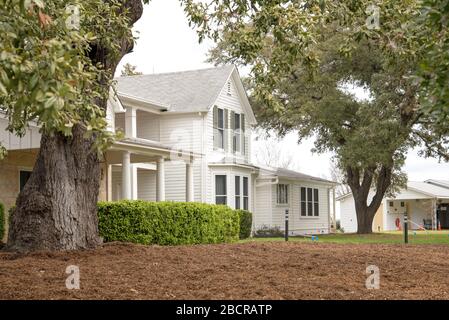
x=130 y=123
x=189 y=182
x=334 y=210
x=160 y=180
x=126 y=175
x=134 y=178
x=109 y=183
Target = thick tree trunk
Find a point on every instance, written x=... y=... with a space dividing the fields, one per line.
x=57 y=209
x=361 y=187
x=365 y=216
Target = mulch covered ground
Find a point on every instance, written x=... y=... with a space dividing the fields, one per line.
x=267 y=270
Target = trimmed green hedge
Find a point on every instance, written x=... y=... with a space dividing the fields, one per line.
x=167 y=223
x=2 y=221
x=246 y=222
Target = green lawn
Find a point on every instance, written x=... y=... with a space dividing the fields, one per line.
x=415 y=237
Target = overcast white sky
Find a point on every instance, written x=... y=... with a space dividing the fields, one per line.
x=166 y=43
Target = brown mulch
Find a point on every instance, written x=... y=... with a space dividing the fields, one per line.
x=253 y=270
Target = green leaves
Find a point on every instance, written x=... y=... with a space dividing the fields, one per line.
x=46 y=72
x=169 y=223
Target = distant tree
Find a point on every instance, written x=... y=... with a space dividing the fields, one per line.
x=339 y=176
x=270 y=152
x=130 y=70
x=302 y=56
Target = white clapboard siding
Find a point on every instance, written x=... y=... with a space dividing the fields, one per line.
x=148 y=125
x=116 y=185
x=31 y=140
x=146 y=185
x=182 y=132
x=297 y=223
x=263 y=207
x=231 y=102
x=348 y=218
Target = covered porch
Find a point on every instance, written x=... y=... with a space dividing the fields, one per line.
x=428 y=213
x=135 y=170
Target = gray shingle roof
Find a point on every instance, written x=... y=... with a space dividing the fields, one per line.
x=429 y=189
x=187 y=91
x=289 y=174
x=441 y=183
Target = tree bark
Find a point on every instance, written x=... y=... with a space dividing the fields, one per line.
x=361 y=187
x=57 y=209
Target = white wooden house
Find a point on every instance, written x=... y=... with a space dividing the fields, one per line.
x=187 y=138
x=425 y=203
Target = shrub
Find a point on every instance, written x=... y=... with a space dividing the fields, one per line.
x=246 y=222
x=2 y=221
x=266 y=231
x=167 y=223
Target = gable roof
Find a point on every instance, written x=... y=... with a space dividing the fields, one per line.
x=186 y=91
x=289 y=174
x=440 y=183
x=427 y=189
x=293 y=175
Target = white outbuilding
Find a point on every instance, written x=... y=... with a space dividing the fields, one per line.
x=426 y=204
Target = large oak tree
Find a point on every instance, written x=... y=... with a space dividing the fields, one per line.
x=303 y=54
x=56 y=69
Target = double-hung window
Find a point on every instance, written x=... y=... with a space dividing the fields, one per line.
x=310 y=202
x=237 y=138
x=241 y=193
x=303 y=202
x=282 y=193
x=237 y=192
x=245 y=193
x=221 y=195
x=219 y=128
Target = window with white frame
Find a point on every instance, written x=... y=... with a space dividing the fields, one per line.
x=245 y=193
x=282 y=194
x=237 y=192
x=241 y=193
x=316 y=205
x=310 y=202
x=237 y=137
x=303 y=202
x=219 y=127
x=221 y=195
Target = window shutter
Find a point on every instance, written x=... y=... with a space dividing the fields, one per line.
x=226 y=129
x=215 y=127
x=243 y=137
x=233 y=130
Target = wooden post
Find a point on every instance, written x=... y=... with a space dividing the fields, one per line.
x=286 y=224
